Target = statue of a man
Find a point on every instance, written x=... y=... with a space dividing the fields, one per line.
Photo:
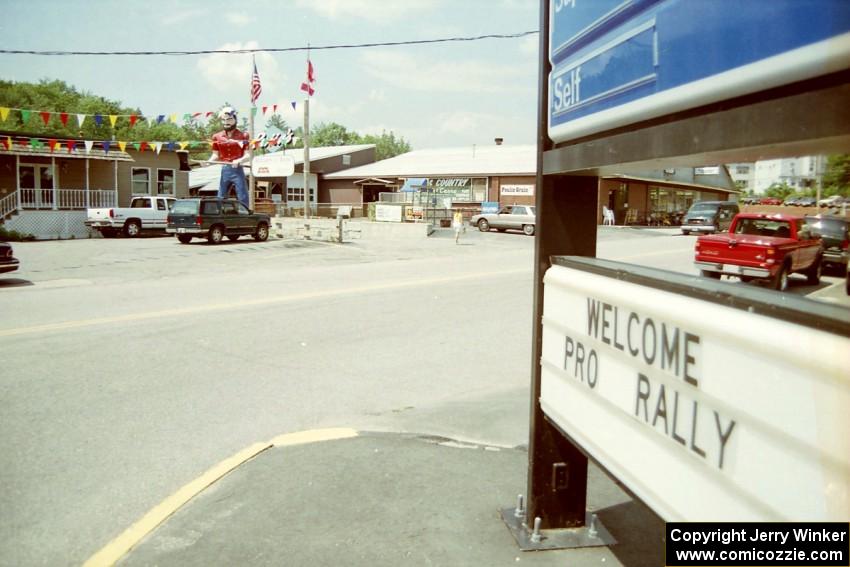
x=229 y=150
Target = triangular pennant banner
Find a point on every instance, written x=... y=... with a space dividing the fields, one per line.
x=8 y=142
x=170 y=146
x=143 y=146
x=52 y=144
x=293 y=108
x=98 y=119
x=106 y=145
x=63 y=117
x=25 y=116
x=183 y=145
x=4 y=113
x=133 y=119
x=113 y=118
x=72 y=144
x=157 y=146
x=45 y=116
x=138 y=146
x=122 y=146
x=174 y=118
x=89 y=145
x=80 y=119
x=160 y=119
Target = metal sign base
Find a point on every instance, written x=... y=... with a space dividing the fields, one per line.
x=592 y=534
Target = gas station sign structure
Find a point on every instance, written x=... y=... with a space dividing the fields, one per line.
x=707 y=400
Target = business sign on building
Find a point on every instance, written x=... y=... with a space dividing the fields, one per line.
x=517 y=190
x=457 y=188
x=388 y=213
x=616 y=62
x=705 y=411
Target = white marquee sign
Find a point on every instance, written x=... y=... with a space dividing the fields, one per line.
x=707 y=412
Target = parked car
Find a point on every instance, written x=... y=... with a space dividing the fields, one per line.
x=770 y=201
x=145 y=213
x=791 y=201
x=8 y=262
x=516 y=217
x=213 y=218
x=806 y=202
x=762 y=246
x=749 y=200
x=834 y=232
x=709 y=216
x=833 y=201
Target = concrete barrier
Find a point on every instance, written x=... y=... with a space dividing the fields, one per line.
x=328 y=230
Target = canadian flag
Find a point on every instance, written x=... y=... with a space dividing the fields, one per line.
x=308 y=87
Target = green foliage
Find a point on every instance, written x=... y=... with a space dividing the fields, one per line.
x=781 y=190
x=57 y=96
x=14 y=235
x=333 y=134
x=836 y=178
x=387 y=145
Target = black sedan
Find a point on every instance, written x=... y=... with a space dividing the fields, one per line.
x=8 y=263
x=834 y=231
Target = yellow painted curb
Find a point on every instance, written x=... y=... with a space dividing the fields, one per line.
x=121 y=545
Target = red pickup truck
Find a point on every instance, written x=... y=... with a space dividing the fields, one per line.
x=763 y=246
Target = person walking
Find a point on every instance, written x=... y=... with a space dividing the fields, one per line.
x=457 y=224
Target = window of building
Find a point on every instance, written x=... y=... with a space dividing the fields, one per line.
x=166 y=182
x=141 y=180
x=742 y=169
x=297 y=194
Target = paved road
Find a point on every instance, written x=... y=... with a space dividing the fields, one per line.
x=131 y=366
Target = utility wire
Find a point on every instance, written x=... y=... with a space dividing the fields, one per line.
x=272 y=49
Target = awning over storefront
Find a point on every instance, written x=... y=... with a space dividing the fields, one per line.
x=675 y=184
x=413 y=184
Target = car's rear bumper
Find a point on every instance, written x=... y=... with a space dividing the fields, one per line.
x=699 y=228
x=733 y=269
x=9 y=265
x=186 y=230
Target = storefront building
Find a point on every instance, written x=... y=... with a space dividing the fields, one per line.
x=475 y=177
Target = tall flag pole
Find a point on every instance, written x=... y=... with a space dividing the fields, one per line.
x=256 y=90
x=308 y=88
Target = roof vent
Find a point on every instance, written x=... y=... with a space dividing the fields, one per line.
x=499 y=141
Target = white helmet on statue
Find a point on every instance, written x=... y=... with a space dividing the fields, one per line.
x=227 y=111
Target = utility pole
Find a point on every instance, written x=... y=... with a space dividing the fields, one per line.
x=307 y=157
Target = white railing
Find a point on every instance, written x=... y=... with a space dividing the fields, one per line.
x=67 y=199
x=8 y=205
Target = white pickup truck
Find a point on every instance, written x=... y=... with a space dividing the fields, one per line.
x=145 y=213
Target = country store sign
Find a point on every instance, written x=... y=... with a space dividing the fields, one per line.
x=705 y=411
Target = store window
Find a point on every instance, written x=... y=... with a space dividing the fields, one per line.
x=297 y=194
x=667 y=204
x=166 y=182
x=141 y=180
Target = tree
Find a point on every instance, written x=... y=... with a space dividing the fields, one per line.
x=780 y=190
x=332 y=134
x=836 y=178
x=387 y=145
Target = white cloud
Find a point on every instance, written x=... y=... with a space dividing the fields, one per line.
x=229 y=75
x=180 y=17
x=425 y=74
x=379 y=11
x=239 y=19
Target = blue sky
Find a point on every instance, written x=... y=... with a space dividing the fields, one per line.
x=438 y=95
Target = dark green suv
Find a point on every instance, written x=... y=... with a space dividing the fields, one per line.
x=213 y=218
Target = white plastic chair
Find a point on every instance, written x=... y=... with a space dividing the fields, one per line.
x=607 y=216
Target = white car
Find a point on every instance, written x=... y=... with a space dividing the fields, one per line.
x=517 y=217
x=830 y=201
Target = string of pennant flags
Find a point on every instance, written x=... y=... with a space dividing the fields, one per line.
x=277 y=141
x=132 y=119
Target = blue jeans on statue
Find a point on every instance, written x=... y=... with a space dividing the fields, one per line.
x=236 y=175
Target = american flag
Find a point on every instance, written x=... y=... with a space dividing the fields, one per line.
x=256 y=88
x=307 y=86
